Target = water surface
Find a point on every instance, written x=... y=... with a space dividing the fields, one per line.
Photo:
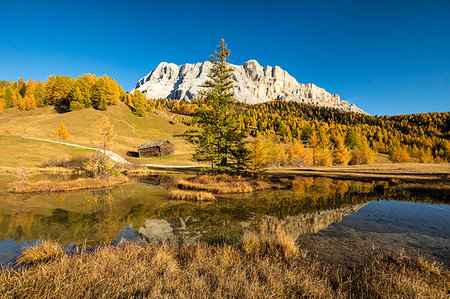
x=320 y=213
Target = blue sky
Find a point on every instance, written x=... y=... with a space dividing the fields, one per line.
x=387 y=57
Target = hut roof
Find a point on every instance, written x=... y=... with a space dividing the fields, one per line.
x=153 y=144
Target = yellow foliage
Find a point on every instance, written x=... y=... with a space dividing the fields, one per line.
x=362 y=155
x=341 y=155
x=2 y=104
x=174 y=121
x=258 y=156
x=62 y=132
x=295 y=152
x=399 y=155
x=105 y=134
x=323 y=156
x=280 y=154
x=425 y=156
x=307 y=157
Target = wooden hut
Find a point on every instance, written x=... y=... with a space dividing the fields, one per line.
x=156 y=149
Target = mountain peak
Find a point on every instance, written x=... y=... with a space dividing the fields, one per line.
x=252 y=62
x=253 y=84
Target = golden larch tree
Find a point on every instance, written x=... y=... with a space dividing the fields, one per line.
x=258 y=155
x=341 y=155
x=62 y=132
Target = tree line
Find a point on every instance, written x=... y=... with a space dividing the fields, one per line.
x=285 y=132
x=69 y=94
x=421 y=137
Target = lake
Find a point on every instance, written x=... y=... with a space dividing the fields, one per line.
x=339 y=220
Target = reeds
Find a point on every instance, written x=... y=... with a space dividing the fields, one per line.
x=224 y=184
x=278 y=244
x=177 y=194
x=54 y=186
x=204 y=271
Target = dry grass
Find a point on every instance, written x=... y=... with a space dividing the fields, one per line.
x=35 y=170
x=131 y=132
x=54 y=186
x=407 y=172
x=402 y=277
x=432 y=268
x=203 y=271
x=177 y=194
x=224 y=184
x=41 y=252
x=278 y=244
x=76 y=162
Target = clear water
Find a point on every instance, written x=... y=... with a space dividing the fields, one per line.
x=320 y=213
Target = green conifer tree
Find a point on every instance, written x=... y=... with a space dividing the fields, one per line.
x=220 y=142
x=351 y=139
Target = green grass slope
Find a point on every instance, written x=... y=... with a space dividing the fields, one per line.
x=82 y=125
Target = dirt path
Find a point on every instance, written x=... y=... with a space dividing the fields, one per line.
x=409 y=172
x=115 y=157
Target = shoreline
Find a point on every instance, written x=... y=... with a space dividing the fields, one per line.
x=411 y=175
x=65 y=186
x=407 y=172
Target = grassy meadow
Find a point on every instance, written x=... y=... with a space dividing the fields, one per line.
x=131 y=132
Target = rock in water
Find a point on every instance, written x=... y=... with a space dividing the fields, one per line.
x=253 y=84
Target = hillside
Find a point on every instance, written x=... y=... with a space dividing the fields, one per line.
x=43 y=122
x=423 y=130
x=36 y=109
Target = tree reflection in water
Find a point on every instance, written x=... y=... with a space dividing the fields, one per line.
x=98 y=217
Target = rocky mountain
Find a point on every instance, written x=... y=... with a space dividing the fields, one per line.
x=312 y=223
x=253 y=84
x=173 y=230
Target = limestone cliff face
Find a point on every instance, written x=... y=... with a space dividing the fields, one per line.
x=253 y=84
x=180 y=229
x=311 y=223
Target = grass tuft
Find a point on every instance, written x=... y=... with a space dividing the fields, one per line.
x=432 y=268
x=224 y=184
x=41 y=252
x=177 y=194
x=276 y=243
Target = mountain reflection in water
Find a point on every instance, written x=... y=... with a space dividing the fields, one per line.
x=140 y=211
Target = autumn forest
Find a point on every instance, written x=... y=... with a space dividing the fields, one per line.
x=284 y=133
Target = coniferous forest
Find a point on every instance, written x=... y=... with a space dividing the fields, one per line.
x=292 y=133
